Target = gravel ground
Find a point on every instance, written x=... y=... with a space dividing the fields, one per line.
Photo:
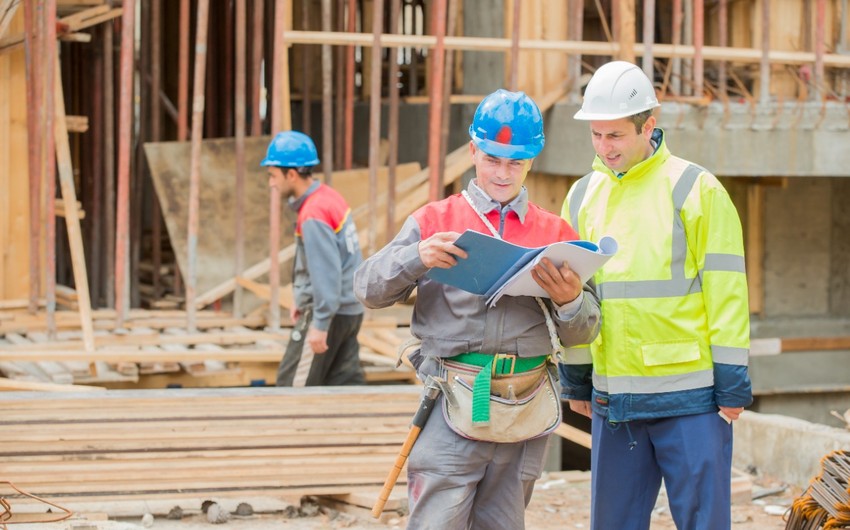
x=561 y=501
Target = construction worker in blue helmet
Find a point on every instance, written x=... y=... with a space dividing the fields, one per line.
x=323 y=347
x=668 y=375
x=475 y=462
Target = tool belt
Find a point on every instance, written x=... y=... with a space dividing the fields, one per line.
x=500 y=397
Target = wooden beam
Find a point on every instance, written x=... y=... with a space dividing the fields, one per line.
x=72 y=213
x=573 y=434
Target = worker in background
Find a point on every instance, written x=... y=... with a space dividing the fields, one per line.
x=323 y=347
x=468 y=481
x=668 y=372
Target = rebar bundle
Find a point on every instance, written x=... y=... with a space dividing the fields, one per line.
x=826 y=502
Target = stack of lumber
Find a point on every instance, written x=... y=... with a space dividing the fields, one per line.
x=201 y=443
x=224 y=351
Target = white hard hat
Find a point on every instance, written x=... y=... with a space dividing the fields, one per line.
x=617 y=89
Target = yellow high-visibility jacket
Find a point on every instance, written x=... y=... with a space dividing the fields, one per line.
x=675 y=317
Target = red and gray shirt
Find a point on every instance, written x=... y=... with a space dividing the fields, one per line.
x=327 y=253
x=450 y=321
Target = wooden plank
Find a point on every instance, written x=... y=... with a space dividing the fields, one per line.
x=72 y=219
x=13 y=385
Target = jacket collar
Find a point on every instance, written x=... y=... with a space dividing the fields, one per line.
x=485 y=204
x=296 y=204
x=658 y=157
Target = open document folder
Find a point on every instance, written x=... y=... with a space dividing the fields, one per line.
x=496 y=268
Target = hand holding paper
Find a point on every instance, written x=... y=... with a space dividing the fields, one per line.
x=495 y=268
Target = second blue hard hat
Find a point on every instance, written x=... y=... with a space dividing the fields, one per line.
x=509 y=125
x=291 y=149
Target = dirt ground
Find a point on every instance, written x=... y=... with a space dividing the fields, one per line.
x=561 y=501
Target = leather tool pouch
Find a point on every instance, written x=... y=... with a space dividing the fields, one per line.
x=522 y=406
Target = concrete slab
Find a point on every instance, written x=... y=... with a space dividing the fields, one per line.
x=785 y=448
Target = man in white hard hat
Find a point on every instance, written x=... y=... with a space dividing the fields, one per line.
x=668 y=373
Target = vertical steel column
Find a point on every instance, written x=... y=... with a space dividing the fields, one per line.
x=198 y=106
x=327 y=98
x=48 y=60
x=156 y=133
x=820 y=48
x=306 y=74
x=514 y=82
x=576 y=25
x=392 y=123
x=375 y=120
x=239 y=109
x=699 y=40
x=280 y=121
x=256 y=68
x=348 y=140
x=33 y=42
x=125 y=122
x=339 y=83
x=109 y=219
x=445 y=119
x=435 y=110
x=676 y=84
x=648 y=38
x=764 y=70
x=723 y=28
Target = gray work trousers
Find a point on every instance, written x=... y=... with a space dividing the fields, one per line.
x=459 y=484
x=339 y=365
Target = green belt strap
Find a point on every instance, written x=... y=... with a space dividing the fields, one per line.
x=492 y=365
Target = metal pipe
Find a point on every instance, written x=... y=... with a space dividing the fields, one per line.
x=35 y=133
x=239 y=108
x=820 y=48
x=339 y=83
x=699 y=41
x=514 y=46
x=676 y=84
x=723 y=28
x=436 y=108
x=392 y=124
x=764 y=71
x=375 y=120
x=109 y=219
x=125 y=121
x=183 y=74
x=576 y=23
x=306 y=74
x=280 y=122
x=156 y=133
x=195 y=164
x=648 y=37
x=256 y=68
x=348 y=140
x=48 y=60
x=327 y=98
x=447 y=87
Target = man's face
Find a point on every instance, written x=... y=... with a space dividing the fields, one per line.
x=279 y=181
x=619 y=145
x=500 y=178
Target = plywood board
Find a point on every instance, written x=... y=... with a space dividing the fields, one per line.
x=14 y=180
x=169 y=163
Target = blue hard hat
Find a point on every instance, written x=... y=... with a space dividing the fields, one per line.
x=508 y=125
x=291 y=149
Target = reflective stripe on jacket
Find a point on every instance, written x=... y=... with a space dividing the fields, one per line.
x=675 y=328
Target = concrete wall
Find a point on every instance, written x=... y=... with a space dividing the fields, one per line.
x=784 y=448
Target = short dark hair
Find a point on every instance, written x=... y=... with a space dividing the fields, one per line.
x=304 y=171
x=640 y=118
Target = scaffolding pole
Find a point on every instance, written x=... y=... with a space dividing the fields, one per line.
x=435 y=110
x=125 y=121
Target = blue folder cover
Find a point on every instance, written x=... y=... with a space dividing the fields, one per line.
x=495 y=267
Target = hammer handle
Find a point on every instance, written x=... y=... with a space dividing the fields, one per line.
x=419 y=419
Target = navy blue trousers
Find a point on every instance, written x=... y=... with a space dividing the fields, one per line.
x=693 y=454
